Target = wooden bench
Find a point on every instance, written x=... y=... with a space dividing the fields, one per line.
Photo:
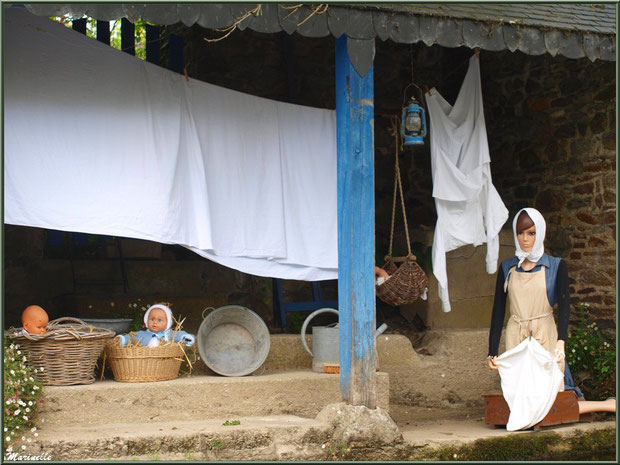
x=564 y=410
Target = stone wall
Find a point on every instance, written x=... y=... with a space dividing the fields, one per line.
x=552 y=139
x=551 y=126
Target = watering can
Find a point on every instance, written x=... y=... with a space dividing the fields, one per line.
x=325 y=341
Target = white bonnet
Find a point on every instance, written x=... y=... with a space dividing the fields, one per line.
x=541 y=227
x=165 y=308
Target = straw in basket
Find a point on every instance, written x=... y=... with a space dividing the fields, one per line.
x=67 y=351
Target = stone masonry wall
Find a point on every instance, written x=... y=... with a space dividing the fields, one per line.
x=551 y=124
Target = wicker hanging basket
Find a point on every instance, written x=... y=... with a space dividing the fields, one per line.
x=407 y=281
x=67 y=351
x=406 y=284
x=139 y=364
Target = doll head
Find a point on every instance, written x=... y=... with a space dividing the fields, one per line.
x=526 y=232
x=35 y=319
x=529 y=230
x=158 y=318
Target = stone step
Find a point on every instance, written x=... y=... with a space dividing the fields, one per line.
x=194 y=398
x=279 y=437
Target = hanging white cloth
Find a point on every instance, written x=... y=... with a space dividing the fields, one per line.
x=531 y=380
x=469 y=209
x=101 y=142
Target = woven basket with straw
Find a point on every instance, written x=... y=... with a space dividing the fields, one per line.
x=67 y=351
x=139 y=364
x=407 y=281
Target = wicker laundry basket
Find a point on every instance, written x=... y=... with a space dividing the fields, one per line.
x=67 y=351
x=139 y=364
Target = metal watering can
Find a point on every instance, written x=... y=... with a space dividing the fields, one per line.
x=326 y=341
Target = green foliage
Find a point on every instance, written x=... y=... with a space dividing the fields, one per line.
x=542 y=446
x=231 y=422
x=22 y=391
x=336 y=448
x=509 y=448
x=591 y=357
x=216 y=444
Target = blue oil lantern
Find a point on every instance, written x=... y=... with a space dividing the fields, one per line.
x=413 y=123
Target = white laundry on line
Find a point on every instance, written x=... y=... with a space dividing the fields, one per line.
x=98 y=141
x=469 y=209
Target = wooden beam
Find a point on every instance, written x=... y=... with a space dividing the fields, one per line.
x=176 y=53
x=152 y=44
x=79 y=25
x=103 y=32
x=128 y=36
x=356 y=230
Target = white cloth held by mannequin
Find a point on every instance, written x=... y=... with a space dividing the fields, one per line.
x=531 y=380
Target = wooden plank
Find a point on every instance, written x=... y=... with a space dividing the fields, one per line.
x=356 y=230
x=565 y=409
x=128 y=36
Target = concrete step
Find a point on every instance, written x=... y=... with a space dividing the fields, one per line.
x=280 y=437
x=194 y=398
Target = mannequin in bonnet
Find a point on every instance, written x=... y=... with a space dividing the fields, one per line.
x=158 y=322
x=535 y=282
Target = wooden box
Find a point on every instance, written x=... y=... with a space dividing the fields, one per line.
x=564 y=410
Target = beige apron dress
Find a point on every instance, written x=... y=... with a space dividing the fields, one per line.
x=530 y=312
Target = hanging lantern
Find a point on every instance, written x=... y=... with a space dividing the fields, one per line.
x=413 y=123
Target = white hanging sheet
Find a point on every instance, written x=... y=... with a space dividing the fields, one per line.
x=101 y=142
x=469 y=208
x=531 y=380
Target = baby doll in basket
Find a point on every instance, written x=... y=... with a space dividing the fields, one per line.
x=158 y=321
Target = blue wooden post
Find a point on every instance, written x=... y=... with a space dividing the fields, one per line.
x=356 y=230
